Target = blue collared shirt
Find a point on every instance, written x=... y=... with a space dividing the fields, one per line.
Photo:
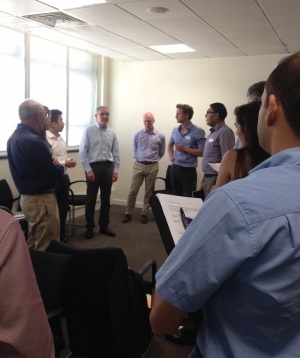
x=149 y=146
x=99 y=144
x=239 y=260
x=30 y=162
x=193 y=138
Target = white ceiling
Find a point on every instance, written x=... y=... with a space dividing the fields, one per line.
x=123 y=29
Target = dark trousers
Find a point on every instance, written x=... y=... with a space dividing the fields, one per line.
x=62 y=197
x=183 y=180
x=103 y=180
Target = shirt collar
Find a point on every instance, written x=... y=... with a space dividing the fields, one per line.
x=101 y=128
x=218 y=126
x=285 y=157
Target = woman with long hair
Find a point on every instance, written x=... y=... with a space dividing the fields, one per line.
x=236 y=163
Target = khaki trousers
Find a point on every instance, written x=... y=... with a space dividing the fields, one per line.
x=208 y=183
x=141 y=172
x=41 y=212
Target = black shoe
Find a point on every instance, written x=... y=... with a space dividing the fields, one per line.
x=106 y=231
x=144 y=219
x=89 y=234
x=183 y=336
x=126 y=219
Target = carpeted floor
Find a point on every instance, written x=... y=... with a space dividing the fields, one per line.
x=139 y=242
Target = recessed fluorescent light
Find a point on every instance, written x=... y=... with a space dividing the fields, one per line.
x=172 y=48
x=68 y=4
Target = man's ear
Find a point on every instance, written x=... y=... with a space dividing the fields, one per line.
x=271 y=111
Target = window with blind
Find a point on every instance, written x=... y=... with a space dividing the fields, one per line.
x=58 y=76
x=12 y=83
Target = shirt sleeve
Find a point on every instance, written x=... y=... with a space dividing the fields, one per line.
x=83 y=152
x=201 y=139
x=172 y=138
x=135 y=145
x=116 y=154
x=42 y=157
x=162 y=147
x=212 y=248
x=226 y=141
x=24 y=327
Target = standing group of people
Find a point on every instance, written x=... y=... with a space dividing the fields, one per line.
x=100 y=158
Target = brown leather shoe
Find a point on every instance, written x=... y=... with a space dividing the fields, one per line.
x=126 y=219
x=144 y=219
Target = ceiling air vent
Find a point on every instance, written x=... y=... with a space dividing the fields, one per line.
x=55 y=19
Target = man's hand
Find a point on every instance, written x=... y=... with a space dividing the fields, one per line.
x=70 y=163
x=90 y=176
x=114 y=177
x=55 y=161
x=180 y=147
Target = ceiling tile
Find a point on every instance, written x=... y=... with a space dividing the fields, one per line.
x=136 y=30
x=215 y=7
x=102 y=15
x=139 y=9
x=17 y=7
x=181 y=25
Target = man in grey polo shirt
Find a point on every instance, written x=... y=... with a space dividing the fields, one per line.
x=218 y=142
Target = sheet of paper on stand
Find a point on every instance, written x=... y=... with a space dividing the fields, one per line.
x=171 y=205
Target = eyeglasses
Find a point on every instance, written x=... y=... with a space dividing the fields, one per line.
x=210 y=112
x=104 y=114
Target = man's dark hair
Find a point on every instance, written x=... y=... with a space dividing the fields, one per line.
x=283 y=83
x=256 y=90
x=220 y=109
x=55 y=113
x=186 y=109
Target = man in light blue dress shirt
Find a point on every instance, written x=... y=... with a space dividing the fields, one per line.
x=239 y=260
x=100 y=158
x=148 y=148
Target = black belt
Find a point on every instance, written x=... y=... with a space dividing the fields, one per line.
x=210 y=175
x=180 y=167
x=101 y=163
x=146 y=163
x=45 y=191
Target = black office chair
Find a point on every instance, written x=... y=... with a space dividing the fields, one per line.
x=75 y=200
x=6 y=196
x=7 y=201
x=166 y=181
x=51 y=271
x=106 y=304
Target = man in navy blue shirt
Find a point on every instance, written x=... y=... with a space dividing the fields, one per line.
x=35 y=173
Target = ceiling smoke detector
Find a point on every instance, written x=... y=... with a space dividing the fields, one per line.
x=157 y=10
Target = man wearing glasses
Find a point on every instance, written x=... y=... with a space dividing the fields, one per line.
x=100 y=158
x=218 y=142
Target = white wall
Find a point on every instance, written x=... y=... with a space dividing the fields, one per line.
x=135 y=88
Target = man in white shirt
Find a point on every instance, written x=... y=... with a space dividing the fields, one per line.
x=59 y=149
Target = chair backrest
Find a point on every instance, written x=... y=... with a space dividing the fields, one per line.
x=6 y=197
x=103 y=312
x=51 y=271
x=168 y=178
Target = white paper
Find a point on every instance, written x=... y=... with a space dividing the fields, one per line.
x=171 y=205
x=215 y=166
